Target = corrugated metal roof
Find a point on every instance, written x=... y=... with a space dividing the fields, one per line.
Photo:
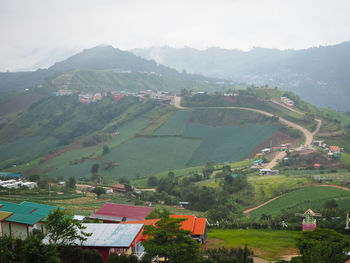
x=111 y=235
x=26 y=219
x=199 y=226
x=129 y=211
x=4 y=215
x=15 y=208
x=41 y=209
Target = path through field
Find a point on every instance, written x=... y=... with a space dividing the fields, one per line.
x=308 y=135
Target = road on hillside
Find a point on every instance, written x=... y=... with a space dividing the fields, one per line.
x=308 y=135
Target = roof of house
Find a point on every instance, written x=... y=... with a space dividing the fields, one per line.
x=193 y=224
x=334 y=148
x=41 y=210
x=26 y=213
x=116 y=212
x=4 y=215
x=111 y=235
x=10 y=175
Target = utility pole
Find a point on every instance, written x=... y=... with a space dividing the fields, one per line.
x=347 y=222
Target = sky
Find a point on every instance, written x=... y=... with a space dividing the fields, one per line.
x=38 y=33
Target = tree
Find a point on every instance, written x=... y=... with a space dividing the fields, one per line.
x=94 y=168
x=330 y=204
x=105 y=149
x=35 y=251
x=115 y=258
x=158 y=213
x=152 y=181
x=322 y=245
x=63 y=229
x=71 y=182
x=166 y=239
x=99 y=191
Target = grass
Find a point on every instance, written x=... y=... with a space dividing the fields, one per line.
x=267 y=244
x=268 y=186
x=345 y=159
x=226 y=143
x=302 y=199
x=176 y=125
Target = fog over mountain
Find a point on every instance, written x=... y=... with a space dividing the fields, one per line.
x=321 y=75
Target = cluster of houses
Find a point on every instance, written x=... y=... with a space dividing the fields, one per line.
x=88 y=97
x=333 y=151
x=12 y=181
x=121 y=231
x=287 y=101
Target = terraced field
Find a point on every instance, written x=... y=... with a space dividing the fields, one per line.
x=302 y=199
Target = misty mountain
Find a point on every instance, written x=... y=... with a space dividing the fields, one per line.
x=97 y=58
x=320 y=75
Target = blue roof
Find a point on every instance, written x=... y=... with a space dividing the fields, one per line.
x=111 y=235
x=41 y=210
x=2 y=174
x=234 y=175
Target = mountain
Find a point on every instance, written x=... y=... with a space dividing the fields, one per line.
x=97 y=58
x=320 y=75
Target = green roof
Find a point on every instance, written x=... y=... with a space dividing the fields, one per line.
x=15 y=208
x=26 y=219
x=41 y=210
x=4 y=215
x=27 y=213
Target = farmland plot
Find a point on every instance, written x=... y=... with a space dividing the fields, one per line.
x=303 y=199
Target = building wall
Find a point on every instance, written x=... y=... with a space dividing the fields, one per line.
x=17 y=230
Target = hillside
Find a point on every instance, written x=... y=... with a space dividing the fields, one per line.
x=319 y=75
x=97 y=58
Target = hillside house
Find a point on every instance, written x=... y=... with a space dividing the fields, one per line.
x=112 y=238
x=116 y=213
x=309 y=222
x=334 y=151
x=268 y=172
x=23 y=218
x=196 y=226
x=119 y=188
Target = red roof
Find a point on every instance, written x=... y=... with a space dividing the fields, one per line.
x=199 y=226
x=120 y=211
x=193 y=224
x=334 y=148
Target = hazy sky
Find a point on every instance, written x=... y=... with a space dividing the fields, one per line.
x=37 y=33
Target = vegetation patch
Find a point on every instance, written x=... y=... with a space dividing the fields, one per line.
x=303 y=199
x=268 y=244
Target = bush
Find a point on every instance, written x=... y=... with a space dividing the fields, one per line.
x=78 y=255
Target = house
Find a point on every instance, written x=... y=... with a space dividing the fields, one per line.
x=266 y=150
x=116 y=213
x=309 y=222
x=268 y=172
x=24 y=217
x=334 y=151
x=196 y=226
x=9 y=175
x=119 y=188
x=317 y=166
x=112 y=238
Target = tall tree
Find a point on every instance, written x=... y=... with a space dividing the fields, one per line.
x=62 y=229
x=71 y=182
x=166 y=239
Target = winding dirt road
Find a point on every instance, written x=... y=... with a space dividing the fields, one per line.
x=308 y=135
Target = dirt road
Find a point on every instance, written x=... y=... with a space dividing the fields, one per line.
x=247 y=211
x=307 y=134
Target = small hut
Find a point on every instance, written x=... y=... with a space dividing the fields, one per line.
x=309 y=222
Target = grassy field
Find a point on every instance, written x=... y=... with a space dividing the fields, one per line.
x=267 y=186
x=267 y=244
x=302 y=199
x=176 y=125
x=25 y=149
x=226 y=143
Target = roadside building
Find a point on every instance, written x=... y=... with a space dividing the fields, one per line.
x=196 y=226
x=116 y=213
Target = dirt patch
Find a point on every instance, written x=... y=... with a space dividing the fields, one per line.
x=307 y=158
x=230 y=100
x=68 y=148
x=214 y=243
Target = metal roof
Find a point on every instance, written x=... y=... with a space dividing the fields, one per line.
x=10 y=175
x=4 y=215
x=26 y=219
x=15 y=208
x=40 y=209
x=111 y=235
x=130 y=212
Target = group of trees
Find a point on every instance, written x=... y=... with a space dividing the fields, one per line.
x=222 y=203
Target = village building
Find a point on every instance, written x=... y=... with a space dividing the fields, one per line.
x=112 y=238
x=196 y=226
x=268 y=172
x=23 y=218
x=309 y=222
x=116 y=213
x=119 y=188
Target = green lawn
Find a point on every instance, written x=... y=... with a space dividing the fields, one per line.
x=302 y=199
x=267 y=244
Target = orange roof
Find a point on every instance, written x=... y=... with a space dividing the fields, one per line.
x=187 y=224
x=195 y=225
x=334 y=148
x=199 y=226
